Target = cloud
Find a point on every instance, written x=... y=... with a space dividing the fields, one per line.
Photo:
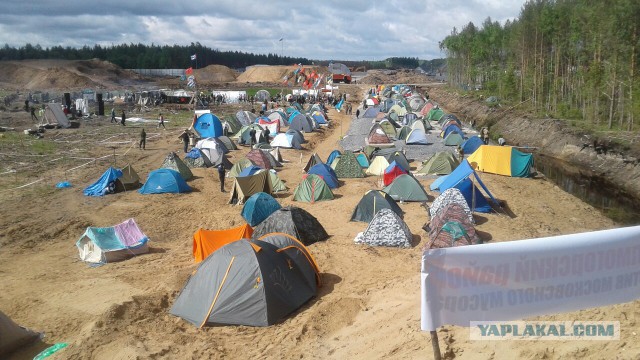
x=331 y=29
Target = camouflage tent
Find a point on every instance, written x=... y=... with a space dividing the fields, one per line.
x=386 y=229
x=348 y=166
x=173 y=162
x=451 y=227
x=450 y=196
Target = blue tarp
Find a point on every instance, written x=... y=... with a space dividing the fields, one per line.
x=248 y=171
x=208 y=125
x=100 y=187
x=194 y=154
x=463 y=172
x=258 y=207
x=164 y=181
x=326 y=172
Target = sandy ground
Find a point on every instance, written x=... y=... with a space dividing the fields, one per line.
x=369 y=306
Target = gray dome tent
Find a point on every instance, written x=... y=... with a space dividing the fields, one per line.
x=372 y=202
x=294 y=221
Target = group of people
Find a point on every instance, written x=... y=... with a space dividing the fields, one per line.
x=123 y=117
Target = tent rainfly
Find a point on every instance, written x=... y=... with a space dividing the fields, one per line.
x=108 y=244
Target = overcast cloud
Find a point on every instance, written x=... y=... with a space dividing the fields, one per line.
x=325 y=30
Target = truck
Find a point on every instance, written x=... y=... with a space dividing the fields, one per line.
x=340 y=73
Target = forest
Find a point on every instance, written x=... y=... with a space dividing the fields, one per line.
x=141 y=56
x=570 y=59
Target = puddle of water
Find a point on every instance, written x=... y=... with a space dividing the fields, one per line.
x=591 y=188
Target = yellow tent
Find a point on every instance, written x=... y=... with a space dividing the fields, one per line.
x=492 y=159
x=377 y=166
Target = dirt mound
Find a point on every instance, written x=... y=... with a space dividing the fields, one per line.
x=63 y=75
x=273 y=74
x=215 y=73
x=394 y=77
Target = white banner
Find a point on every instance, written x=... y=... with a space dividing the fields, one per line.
x=520 y=279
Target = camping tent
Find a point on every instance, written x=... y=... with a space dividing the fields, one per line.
x=294 y=221
x=297 y=135
x=244 y=187
x=272 y=160
x=228 y=143
x=326 y=172
x=314 y=159
x=372 y=202
x=403 y=132
x=299 y=254
x=129 y=179
x=377 y=136
x=213 y=152
x=388 y=127
x=371 y=112
x=348 y=166
x=298 y=121
x=451 y=195
x=272 y=124
x=275 y=152
x=362 y=160
x=400 y=159
x=442 y=162
x=451 y=227
x=453 y=139
x=502 y=160
x=115 y=243
x=377 y=166
x=435 y=114
x=237 y=168
x=459 y=178
x=417 y=137
x=164 y=181
x=245 y=117
x=386 y=229
x=258 y=207
x=391 y=172
x=312 y=189
x=277 y=185
x=334 y=154
x=258 y=157
x=249 y=170
x=208 y=126
x=472 y=144
x=13 y=336
x=106 y=184
x=206 y=242
x=195 y=159
x=173 y=162
x=243 y=283
x=287 y=141
x=406 y=188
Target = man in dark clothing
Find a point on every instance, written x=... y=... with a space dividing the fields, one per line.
x=266 y=133
x=113 y=115
x=221 y=175
x=26 y=105
x=184 y=137
x=252 y=137
x=357 y=113
x=33 y=114
x=123 y=119
x=143 y=139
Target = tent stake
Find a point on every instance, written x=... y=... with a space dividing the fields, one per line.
x=435 y=345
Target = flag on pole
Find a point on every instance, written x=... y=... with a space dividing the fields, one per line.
x=189 y=71
x=193 y=57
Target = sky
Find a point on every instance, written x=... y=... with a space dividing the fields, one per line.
x=317 y=30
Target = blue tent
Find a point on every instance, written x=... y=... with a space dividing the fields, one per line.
x=248 y=171
x=317 y=116
x=334 y=154
x=480 y=203
x=452 y=128
x=456 y=178
x=164 y=181
x=208 y=126
x=258 y=207
x=326 y=172
x=101 y=186
x=472 y=144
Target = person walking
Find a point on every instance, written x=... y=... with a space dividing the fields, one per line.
x=221 y=175
x=143 y=139
x=184 y=137
x=33 y=114
x=123 y=119
x=113 y=115
x=161 y=122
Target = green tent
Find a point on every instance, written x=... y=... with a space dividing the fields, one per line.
x=435 y=114
x=239 y=166
x=403 y=132
x=388 y=128
x=442 y=163
x=276 y=183
x=173 y=162
x=453 y=139
x=312 y=189
x=406 y=188
x=348 y=166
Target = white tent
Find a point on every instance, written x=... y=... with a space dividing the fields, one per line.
x=285 y=141
x=211 y=150
x=416 y=137
x=377 y=166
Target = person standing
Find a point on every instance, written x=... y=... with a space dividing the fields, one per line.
x=123 y=119
x=143 y=139
x=161 y=122
x=485 y=135
x=33 y=114
x=252 y=137
x=221 y=175
x=184 y=137
x=113 y=115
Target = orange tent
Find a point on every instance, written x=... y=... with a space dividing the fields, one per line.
x=206 y=242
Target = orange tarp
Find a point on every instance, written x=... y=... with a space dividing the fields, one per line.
x=206 y=242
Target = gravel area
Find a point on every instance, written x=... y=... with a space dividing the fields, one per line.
x=354 y=140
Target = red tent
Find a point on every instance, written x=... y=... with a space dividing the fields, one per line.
x=392 y=171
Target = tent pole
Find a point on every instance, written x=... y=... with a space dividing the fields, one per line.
x=435 y=345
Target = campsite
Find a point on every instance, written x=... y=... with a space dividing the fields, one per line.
x=359 y=281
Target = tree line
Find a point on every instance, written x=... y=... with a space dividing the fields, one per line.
x=141 y=56
x=574 y=59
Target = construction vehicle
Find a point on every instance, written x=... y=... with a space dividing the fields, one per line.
x=340 y=73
